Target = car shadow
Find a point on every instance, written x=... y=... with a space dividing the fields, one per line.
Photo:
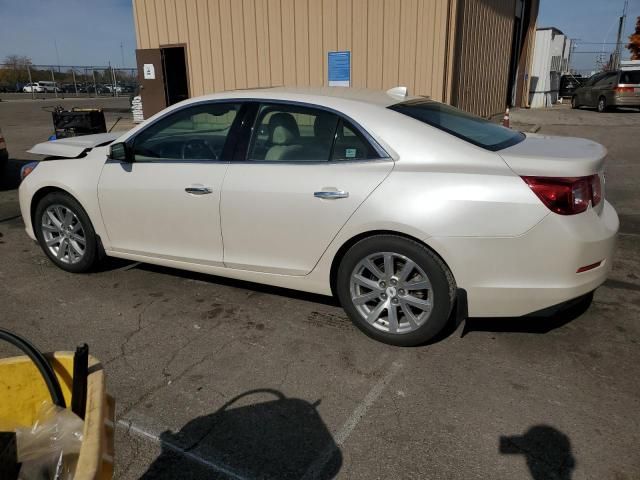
x=277 y=438
x=230 y=282
x=546 y=449
x=10 y=174
x=540 y=322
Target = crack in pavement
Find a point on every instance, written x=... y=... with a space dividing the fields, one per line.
x=159 y=386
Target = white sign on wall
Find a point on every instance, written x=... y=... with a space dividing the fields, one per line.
x=149 y=71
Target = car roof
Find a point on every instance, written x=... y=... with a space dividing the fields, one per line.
x=315 y=95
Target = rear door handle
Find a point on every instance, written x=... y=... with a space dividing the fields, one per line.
x=198 y=190
x=331 y=194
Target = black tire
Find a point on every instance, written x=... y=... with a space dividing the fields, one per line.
x=442 y=283
x=574 y=102
x=602 y=105
x=91 y=251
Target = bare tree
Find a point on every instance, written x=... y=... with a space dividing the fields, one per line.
x=13 y=70
x=16 y=61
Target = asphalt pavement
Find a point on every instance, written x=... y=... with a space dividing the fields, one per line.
x=216 y=378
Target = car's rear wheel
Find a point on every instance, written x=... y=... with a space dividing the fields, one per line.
x=574 y=102
x=65 y=233
x=395 y=290
x=602 y=105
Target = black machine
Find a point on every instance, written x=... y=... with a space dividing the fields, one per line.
x=78 y=121
x=569 y=83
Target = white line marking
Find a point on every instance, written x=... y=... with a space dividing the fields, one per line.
x=315 y=469
x=218 y=467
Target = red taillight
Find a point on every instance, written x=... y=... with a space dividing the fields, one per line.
x=566 y=195
x=621 y=89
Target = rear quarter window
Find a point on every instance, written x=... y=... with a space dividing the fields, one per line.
x=473 y=129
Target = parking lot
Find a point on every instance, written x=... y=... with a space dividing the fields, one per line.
x=215 y=378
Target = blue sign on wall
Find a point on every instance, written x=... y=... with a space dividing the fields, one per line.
x=340 y=69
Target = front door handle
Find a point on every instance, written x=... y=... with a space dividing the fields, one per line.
x=198 y=190
x=331 y=194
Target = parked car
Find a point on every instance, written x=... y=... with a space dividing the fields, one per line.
x=7 y=88
x=607 y=90
x=401 y=207
x=569 y=83
x=113 y=89
x=4 y=154
x=41 y=87
x=68 y=88
x=33 y=88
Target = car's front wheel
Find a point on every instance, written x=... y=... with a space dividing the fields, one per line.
x=65 y=233
x=602 y=105
x=395 y=290
x=574 y=102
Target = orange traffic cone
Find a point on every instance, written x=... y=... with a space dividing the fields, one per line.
x=506 y=121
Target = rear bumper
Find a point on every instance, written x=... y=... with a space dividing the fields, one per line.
x=519 y=275
x=628 y=101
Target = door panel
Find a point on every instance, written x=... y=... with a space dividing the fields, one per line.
x=307 y=172
x=273 y=222
x=147 y=211
x=166 y=202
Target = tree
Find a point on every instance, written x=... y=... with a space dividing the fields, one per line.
x=13 y=70
x=16 y=61
x=634 y=42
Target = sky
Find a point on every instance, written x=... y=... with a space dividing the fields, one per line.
x=85 y=32
x=89 y=32
x=593 y=21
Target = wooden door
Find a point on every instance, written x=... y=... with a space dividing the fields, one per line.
x=151 y=77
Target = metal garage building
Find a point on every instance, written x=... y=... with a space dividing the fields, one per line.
x=470 y=53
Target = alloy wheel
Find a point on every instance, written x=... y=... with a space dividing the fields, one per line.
x=63 y=234
x=391 y=292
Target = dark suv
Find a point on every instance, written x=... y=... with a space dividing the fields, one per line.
x=609 y=90
x=4 y=155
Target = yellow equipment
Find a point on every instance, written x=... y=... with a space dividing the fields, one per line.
x=22 y=392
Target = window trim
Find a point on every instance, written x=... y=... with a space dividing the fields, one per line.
x=250 y=117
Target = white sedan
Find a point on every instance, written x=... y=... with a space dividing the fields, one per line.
x=399 y=206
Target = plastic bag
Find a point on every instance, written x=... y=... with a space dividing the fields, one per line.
x=49 y=449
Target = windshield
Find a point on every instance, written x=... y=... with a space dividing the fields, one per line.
x=475 y=130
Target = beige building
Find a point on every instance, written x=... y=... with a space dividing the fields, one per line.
x=471 y=53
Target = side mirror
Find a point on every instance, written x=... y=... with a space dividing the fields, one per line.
x=120 y=152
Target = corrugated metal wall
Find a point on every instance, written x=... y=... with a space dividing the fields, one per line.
x=483 y=53
x=257 y=43
x=524 y=66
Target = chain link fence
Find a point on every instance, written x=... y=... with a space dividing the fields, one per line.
x=38 y=81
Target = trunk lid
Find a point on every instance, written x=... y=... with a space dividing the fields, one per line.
x=544 y=155
x=73 y=147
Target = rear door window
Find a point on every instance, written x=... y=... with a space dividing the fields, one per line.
x=291 y=133
x=607 y=80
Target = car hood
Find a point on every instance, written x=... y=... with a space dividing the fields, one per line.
x=73 y=147
x=544 y=155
